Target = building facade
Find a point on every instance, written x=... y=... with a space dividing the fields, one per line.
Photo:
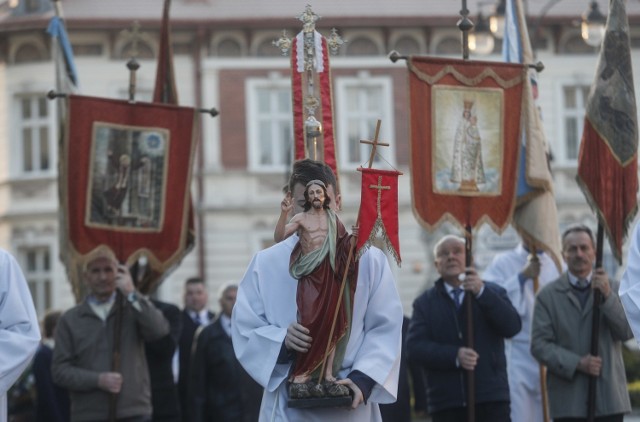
x=225 y=58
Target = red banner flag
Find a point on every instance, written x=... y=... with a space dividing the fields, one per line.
x=165 y=88
x=379 y=210
x=608 y=160
x=125 y=172
x=465 y=134
x=321 y=147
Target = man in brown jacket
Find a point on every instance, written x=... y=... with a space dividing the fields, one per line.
x=82 y=360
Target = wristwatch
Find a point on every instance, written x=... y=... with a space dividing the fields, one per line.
x=132 y=297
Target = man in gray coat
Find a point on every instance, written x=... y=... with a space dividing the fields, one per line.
x=561 y=336
x=83 y=356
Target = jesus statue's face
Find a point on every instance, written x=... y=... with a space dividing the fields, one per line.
x=315 y=195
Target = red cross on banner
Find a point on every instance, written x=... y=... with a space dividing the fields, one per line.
x=379 y=210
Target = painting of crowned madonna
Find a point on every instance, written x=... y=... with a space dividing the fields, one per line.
x=468 y=138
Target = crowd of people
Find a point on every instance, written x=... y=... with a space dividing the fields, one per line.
x=121 y=356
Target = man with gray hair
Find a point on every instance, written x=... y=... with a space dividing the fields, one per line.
x=85 y=338
x=561 y=336
x=437 y=339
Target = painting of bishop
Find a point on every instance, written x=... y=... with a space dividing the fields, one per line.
x=128 y=177
x=467 y=141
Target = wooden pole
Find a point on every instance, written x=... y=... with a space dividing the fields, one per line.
x=468 y=301
x=115 y=355
x=595 y=328
x=374 y=143
x=533 y=257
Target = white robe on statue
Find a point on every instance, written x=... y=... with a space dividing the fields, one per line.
x=522 y=369
x=266 y=306
x=629 y=291
x=19 y=331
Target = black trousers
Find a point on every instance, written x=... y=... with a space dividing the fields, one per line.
x=484 y=412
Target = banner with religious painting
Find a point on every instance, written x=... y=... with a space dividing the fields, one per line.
x=125 y=173
x=465 y=133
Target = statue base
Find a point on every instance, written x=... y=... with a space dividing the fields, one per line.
x=326 y=394
x=315 y=402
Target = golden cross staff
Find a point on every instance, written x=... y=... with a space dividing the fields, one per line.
x=374 y=145
x=134 y=36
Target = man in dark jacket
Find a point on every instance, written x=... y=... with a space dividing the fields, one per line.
x=219 y=388
x=194 y=315
x=437 y=339
x=164 y=391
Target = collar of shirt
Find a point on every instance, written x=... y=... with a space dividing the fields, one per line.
x=101 y=309
x=450 y=289
x=94 y=300
x=203 y=315
x=574 y=280
x=225 y=321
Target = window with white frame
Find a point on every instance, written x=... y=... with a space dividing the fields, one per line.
x=35 y=134
x=361 y=101
x=36 y=265
x=574 y=100
x=269 y=118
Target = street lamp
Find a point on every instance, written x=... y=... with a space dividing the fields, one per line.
x=593 y=22
x=480 y=39
x=496 y=21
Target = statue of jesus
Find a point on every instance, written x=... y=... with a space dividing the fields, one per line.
x=318 y=262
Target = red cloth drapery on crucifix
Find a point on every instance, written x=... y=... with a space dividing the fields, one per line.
x=321 y=80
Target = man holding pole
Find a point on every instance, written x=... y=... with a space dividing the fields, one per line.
x=102 y=331
x=561 y=336
x=436 y=339
x=522 y=273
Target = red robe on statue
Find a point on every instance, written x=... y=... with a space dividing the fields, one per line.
x=317 y=298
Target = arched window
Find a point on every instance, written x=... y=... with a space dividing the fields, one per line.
x=407 y=45
x=229 y=47
x=267 y=49
x=28 y=52
x=574 y=44
x=144 y=50
x=361 y=46
x=449 y=46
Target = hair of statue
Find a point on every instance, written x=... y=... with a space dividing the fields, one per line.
x=307 y=203
x=316 y=182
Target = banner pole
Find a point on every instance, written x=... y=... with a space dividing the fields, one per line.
x=468 y=300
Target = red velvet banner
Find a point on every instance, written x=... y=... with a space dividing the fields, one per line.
x=323 y=92
x=379 y=210
x=608 y=161
x=465 y=133
x=125 y=178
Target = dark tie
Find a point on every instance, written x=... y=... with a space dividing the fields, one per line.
x=196 y=319
x=457 y=292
